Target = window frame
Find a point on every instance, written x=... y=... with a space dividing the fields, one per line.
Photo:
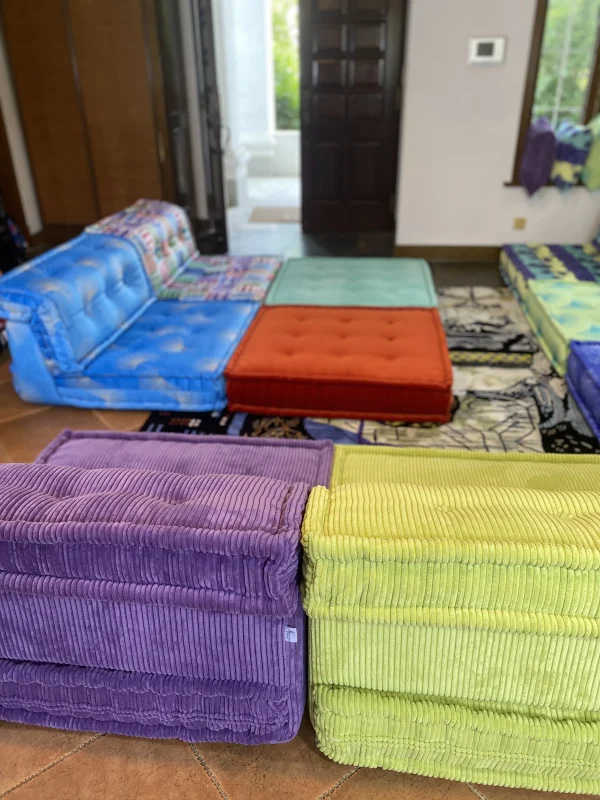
x=592 y=102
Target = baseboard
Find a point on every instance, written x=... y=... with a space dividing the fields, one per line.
x=455 y=253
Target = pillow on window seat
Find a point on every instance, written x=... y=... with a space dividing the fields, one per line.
x=539 y=155
x=574 y=143
x=591 y=172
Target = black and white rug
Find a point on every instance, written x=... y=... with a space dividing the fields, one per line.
x=507 y=398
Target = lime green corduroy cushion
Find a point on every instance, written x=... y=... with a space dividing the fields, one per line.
x=457 y=742
x=366 y=464
x=401 y=581
x=464 y=588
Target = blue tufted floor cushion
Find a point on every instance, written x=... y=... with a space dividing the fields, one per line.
x=583 y=378
x=173 y=357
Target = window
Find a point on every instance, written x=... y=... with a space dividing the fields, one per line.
x=564 y=70
x=286 y=57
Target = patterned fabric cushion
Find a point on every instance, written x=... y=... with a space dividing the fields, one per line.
x=77 y=298
x=591 y=172
x=520 y=263
x=574 y=143
x=596 y=242
x=161 y=232
x=365 y=363
x=173 y=357
x=245 y=278
x=372 y=282
x=583 y=377
x=539 y=155
x=560 y=313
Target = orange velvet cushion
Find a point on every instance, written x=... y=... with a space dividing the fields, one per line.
x=367 y=363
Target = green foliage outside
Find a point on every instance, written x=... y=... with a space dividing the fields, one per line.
x=578 y=65
x=286 y=57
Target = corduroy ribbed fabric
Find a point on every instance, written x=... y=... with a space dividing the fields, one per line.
x=214 y=542
x=370 y=464
x=153 y=574
x=285 y=460
x=431 y=603
x=161 y=706
x=458 y=742
x=92 y=624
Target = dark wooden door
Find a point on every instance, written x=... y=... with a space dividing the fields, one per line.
x=351 y=54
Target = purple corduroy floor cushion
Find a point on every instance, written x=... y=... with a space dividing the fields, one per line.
x=143 y=578
x=287 y=460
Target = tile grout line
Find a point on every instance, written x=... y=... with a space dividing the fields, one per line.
x=24 y=415
x=211 y=775
x=62 y=758
x=336 y=786
x=476 y=793
x=98 y=416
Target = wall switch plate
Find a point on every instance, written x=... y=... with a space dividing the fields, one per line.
x=519 y=224
x=490 y=50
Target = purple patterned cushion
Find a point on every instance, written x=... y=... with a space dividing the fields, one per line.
x=539 y=155
x=292 y=461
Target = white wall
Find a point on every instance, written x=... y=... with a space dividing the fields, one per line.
x=459 y=133
x=18 y=149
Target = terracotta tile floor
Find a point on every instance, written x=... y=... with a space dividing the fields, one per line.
x=40 y=764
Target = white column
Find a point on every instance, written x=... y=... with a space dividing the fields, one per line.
x=236 y=156
x=18 y=148
x=252 y=32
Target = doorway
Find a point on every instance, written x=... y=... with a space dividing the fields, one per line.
x=310 y=104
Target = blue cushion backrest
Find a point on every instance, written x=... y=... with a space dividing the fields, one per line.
x=77 y=298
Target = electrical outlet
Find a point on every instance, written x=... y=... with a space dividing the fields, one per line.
x=519 y=224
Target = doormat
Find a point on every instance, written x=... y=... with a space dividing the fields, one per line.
x=517 y=408
x=275 y=214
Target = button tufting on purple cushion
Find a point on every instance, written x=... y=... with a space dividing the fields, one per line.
x=161 y=601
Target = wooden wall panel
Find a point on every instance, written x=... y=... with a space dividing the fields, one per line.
x=109 y=40
x=38 y=46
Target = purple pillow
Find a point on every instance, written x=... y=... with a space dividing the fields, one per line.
x=539 y=155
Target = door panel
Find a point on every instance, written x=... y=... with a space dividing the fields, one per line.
x=40 y=53
x=351 y=56
x=110 y=43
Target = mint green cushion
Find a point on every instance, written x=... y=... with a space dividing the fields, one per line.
x=370 y=282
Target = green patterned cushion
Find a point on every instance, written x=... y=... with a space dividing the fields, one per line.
x=561 y=312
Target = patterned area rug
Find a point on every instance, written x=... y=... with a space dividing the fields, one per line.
x=504 y=404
